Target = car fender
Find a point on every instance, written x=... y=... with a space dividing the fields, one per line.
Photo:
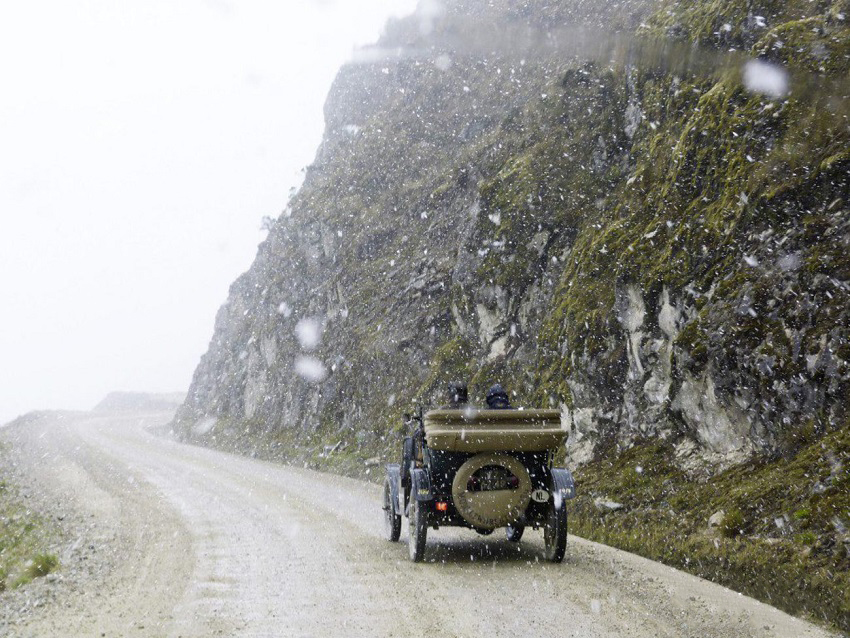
x=421 y=483
x=393 y=475
x=563 y=486
x=406 y=460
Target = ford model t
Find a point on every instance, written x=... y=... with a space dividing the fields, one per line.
x=482 y=469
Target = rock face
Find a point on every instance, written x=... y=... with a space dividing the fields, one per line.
x=649 y=245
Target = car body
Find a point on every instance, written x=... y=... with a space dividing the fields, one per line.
x=483 y=469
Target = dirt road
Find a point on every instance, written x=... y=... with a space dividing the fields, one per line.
x=185 y=541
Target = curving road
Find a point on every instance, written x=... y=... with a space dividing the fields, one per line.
x=192 y=542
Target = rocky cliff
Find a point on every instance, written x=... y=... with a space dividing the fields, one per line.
x=661 y=254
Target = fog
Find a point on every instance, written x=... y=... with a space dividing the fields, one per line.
x=143 y=143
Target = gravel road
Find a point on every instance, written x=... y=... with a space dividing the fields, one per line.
x=165 y=539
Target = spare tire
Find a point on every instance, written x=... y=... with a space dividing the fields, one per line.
x=491 y=490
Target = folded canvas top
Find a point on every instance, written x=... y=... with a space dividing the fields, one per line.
x=479 y=430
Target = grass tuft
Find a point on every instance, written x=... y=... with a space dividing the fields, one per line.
x=733 y=523
x=38 y=566
x=24 y=535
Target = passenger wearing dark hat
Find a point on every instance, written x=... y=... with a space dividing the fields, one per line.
x=497 y=398
x=458 y=396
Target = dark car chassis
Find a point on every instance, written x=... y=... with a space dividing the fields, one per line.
x=480 y=469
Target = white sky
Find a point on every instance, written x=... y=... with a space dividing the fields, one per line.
x=141 y=143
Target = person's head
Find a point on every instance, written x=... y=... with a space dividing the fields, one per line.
x=458 y=393
x=497 y=398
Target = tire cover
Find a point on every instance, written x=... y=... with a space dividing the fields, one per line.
x=495 y=508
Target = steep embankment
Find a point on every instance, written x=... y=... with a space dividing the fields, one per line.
x=610 y=223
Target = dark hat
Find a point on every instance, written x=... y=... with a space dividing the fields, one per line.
x=497 y=397
x=458 y=392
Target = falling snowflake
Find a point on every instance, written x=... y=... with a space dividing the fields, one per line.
x=310 y=369
x=309 y=333
x=443 y=62
x=766 y=78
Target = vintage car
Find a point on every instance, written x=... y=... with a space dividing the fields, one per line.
x=483 y=469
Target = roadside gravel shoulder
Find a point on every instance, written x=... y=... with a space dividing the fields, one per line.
x=67 y=533
x=96 y=536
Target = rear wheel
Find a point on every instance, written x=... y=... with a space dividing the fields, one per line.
x=392 y=521
x=555 y=532
x=418 y=530
x=514 y=532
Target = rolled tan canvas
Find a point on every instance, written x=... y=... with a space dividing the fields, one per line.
x=478 y=430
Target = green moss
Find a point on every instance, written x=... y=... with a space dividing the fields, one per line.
x=728 y=23
x=733 y=523
x=36 y=567
x=802 y=514
x=694 y=341
x=806 y=538
x=816 y=45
